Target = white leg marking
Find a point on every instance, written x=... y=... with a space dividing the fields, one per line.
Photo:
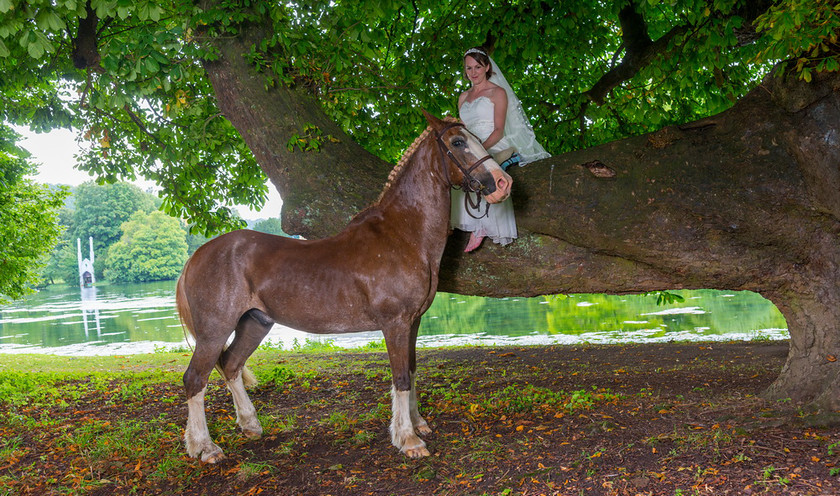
x=419 y=423
x=402 y=430
x=246 y=414
x=197 y=436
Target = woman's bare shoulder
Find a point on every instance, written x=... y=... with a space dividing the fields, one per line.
x=497 y=93
x=462 y=97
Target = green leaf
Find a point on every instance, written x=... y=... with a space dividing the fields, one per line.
x=47 y=20
x=152 y=65
x=35 y=49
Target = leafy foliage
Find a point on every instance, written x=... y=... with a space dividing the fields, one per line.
x=809 y=29
x=152 y=248
x=28 y=215
x=100 y=212
x=270 y=226
x=131 y=75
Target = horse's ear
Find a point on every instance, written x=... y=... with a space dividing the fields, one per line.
x=432 y=120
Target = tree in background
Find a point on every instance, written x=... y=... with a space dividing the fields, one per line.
x=28 y=220
x=270 y=226
x=194 y=238
x=125 y=198
x=100 y=211
x=152 y=248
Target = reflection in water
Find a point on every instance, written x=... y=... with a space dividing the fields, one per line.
x=89 y=307
x=123 y=319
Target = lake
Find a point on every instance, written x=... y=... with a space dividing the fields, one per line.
x=141 y=318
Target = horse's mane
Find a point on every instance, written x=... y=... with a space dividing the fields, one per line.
x=406 y=156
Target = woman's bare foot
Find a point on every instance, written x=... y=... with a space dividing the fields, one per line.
x=474 y=242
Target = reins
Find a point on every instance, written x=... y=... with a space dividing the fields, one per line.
x=468 y=185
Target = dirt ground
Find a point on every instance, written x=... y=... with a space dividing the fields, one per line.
x=665 y=419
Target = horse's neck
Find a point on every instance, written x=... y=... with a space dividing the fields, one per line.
x=421 y=194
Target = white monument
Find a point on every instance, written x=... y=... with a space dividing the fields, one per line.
x=86 y=275
x=87 y=279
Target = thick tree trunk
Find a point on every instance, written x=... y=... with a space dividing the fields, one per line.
x=321 y=190
x=745 y=200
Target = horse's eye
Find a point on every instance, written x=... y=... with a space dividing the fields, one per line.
x=458 y=143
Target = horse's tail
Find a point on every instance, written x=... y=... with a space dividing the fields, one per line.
x=185 y=315
x=183 y=307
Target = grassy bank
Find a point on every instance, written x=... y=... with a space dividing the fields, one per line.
x=655 y=419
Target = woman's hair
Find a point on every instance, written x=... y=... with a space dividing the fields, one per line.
x=480 y=56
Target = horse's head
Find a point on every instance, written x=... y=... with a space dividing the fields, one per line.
x=467 y=162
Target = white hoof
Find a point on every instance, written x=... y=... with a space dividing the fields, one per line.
x=212 y=455
x=208 y=451
x=252 y=433
x=252 y=428
x=416 y=451
x=423 y=429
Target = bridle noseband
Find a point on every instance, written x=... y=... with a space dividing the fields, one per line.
x=469 y=184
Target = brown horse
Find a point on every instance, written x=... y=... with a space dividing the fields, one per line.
x=380 y=272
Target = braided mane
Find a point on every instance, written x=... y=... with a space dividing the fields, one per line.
x=407 y=154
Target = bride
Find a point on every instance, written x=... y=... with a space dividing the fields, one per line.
x=493 y=113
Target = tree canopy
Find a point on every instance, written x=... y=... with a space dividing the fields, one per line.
x=131 y=76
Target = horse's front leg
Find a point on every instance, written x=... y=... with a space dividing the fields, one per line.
x=403 y=397
x=419 y=423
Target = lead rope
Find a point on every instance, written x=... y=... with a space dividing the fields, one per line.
x=468 y=204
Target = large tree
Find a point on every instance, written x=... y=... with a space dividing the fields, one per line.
x=679 y=160
x=28 y=220
x=153 y=247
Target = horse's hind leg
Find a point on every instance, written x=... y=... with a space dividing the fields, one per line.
x=250 y=331
x=196 y=435
x=403 y=435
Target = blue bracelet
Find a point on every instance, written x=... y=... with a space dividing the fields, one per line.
x=513 y=160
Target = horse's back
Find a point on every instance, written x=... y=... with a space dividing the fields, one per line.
x=226 y=262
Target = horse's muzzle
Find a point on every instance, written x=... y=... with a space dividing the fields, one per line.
x=503 y=184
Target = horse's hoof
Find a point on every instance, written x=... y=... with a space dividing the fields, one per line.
x=213 y=456
x=252 y=434
x=418 y=452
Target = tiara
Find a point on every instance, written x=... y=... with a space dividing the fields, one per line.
x=475 y=50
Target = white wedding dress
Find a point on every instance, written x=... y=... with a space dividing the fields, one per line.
x=499 y=224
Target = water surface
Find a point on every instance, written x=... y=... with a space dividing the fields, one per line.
x=139 y=318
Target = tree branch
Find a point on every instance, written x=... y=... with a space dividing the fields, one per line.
x=85 y=49
x=639 y=51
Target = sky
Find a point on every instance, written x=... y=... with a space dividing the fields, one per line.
x=53 y=152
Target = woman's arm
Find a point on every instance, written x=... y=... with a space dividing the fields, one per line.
x=500 y=102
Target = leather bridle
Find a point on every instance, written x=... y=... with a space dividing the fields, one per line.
x=469 y=184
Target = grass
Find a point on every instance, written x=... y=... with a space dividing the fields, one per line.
x=114 y=424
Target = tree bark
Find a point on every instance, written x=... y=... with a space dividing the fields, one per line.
x=746 y=200
x=321 y=190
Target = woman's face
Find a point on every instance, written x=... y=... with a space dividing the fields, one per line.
x=474 y=70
